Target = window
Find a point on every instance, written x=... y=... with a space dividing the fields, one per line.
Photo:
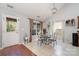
x=11 y=24
x=35 y=28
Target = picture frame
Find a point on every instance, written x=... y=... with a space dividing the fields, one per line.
x=70 y=22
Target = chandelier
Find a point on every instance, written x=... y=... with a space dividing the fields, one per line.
x=54 y=9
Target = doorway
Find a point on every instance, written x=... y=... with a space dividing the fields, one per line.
x=35 y=30
x=58 y=30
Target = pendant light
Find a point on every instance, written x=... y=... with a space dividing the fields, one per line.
x=54 y=9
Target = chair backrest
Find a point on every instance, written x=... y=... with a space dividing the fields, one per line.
x=54 y=36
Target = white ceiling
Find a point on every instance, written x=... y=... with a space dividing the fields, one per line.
x=32 y=9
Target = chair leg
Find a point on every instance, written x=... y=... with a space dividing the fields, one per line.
x=39 y=42
x=53 y=44
x=56 y=42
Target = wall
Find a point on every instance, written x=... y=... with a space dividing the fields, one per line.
x=24 y=29
x=23 y=23
x=69 y=11
x=0 y=32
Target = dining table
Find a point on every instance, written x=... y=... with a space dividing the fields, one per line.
x=45 y=39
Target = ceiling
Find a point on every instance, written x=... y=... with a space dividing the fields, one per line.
x=32 y=9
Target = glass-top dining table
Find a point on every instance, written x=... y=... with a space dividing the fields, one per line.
x=47 y=39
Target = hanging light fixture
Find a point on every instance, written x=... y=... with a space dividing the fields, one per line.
x=9 y=6
x=54 y=9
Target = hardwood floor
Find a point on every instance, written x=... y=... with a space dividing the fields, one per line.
x=16 y=50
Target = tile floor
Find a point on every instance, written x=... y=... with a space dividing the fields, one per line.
x=60 y=49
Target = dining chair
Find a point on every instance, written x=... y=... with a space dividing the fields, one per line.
x=53 y=40
x=40 y=39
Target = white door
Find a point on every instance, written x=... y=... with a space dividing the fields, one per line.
x=10 y=31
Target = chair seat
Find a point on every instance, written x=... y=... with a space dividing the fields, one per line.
x=52 y=39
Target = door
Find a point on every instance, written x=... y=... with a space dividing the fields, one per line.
x=10 y=31
x=35 y=30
